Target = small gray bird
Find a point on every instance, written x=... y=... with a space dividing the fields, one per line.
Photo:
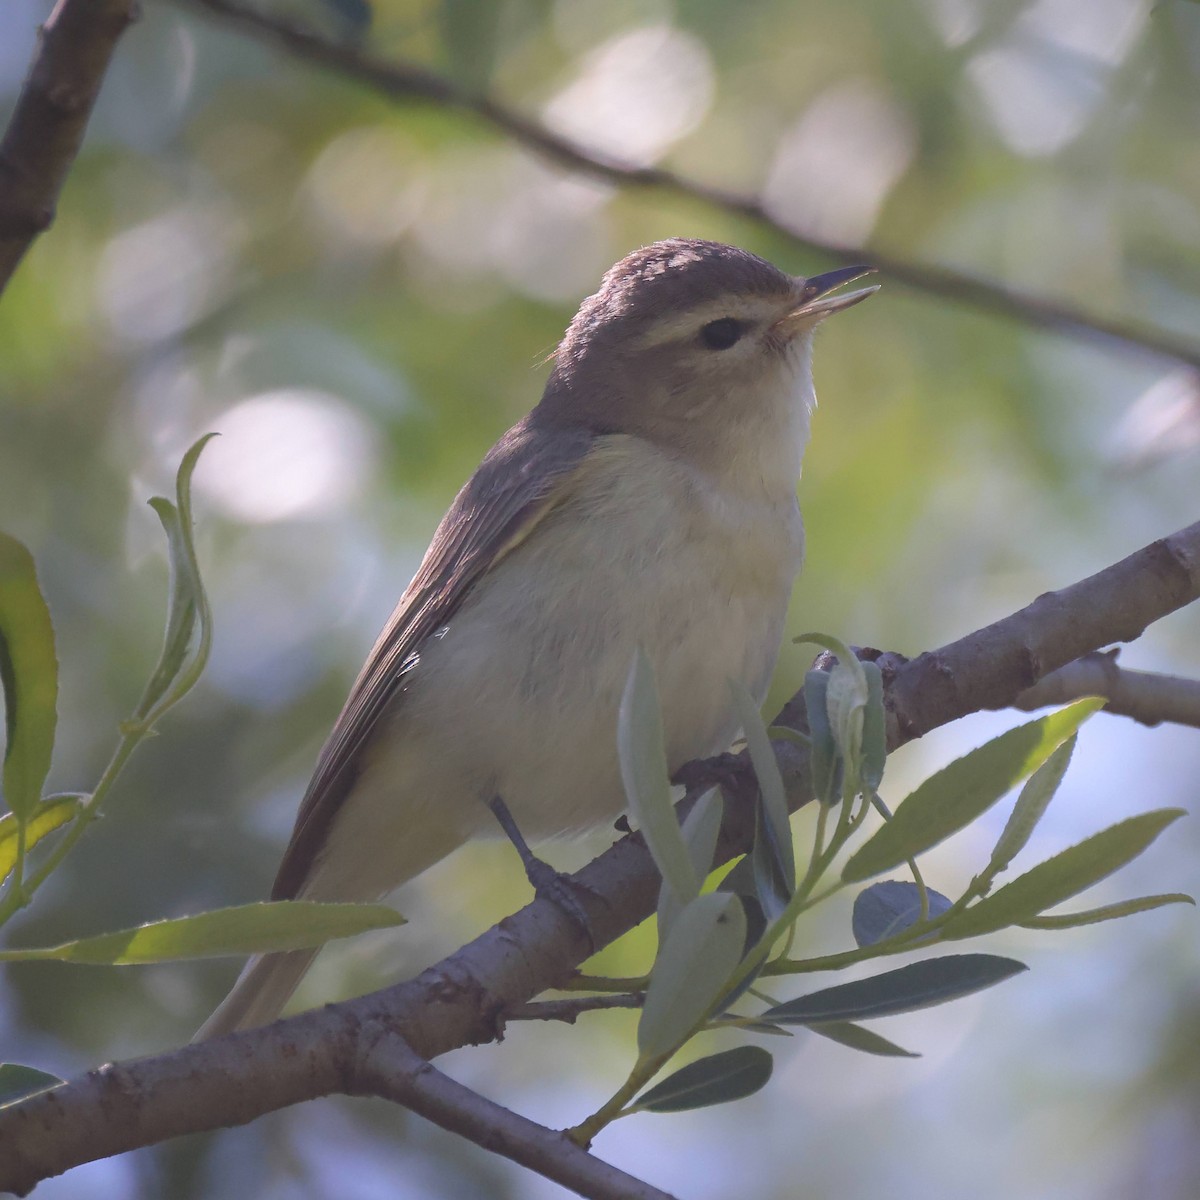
x=648 y=500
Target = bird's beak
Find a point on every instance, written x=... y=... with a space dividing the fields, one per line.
x=817 y=300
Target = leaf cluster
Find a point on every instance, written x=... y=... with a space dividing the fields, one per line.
x=716 y=947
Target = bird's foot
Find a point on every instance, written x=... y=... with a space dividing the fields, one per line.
x=547 y=883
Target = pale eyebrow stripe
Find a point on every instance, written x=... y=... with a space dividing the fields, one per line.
x=753 y=309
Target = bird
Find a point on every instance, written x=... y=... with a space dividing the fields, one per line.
x=647 y=501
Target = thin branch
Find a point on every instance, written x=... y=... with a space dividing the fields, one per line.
x=404 y=81
x=393 y=1071
x=1143 y=695
x=462 y=1000
x=48 y=123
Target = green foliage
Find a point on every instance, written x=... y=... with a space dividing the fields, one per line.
x=29 y=674
x=704 y=946
x=715 y=1079
x=643 y=761
x=242 y=930
x=29 y=671
x=959 y=793
x=918 y=985
x=18 y=1082
x=1061 y=877
x=714 y=946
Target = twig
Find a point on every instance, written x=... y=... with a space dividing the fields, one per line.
x=461 y=1001
x=47 y=125
x=1143 y=695
x=408 y=81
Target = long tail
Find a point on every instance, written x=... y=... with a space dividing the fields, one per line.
x=262 y=989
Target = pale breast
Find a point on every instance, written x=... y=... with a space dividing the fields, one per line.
x=520 y=693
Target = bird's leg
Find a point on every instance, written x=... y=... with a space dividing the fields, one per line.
x=547 y=883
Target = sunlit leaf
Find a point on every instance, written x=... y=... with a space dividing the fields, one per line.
x=729 y=1075
x=29 y=675
x=887 y=908
x=773 y=799
x=643 y=759
x=959 y=793
x=823 y=755
x=1031 y=805
x=242 y=930
x=874 y=736
x=188 y=635
x=1061 y=877
x=858 y=1037
x=1107 y=912
x=701 y=828
x=49 y=814
x=846 y=700
x=17 y=1082
x=692 y=969
x=918 y=985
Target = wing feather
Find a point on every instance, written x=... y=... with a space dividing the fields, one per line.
x=525 y=475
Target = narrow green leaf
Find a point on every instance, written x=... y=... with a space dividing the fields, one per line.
x=17 y=1082
x=888 y=908
x=823 y=756
x=49 y=815
x=846 y=700
x=1031 y=805
x=244 y=929
x=959 y=793
x=29 y=675
x=693 y=966
x=770 y=783
x=859 y=1037
x=729 y=1075
x=701 y=828
x=919 y=985
x=643 y=759
x=188 y=635
x=874 y=736
x=1107 y=912
x=1061 y=877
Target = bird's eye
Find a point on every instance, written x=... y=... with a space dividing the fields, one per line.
x=723 y=333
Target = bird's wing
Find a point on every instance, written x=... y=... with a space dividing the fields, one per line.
x=524 y=476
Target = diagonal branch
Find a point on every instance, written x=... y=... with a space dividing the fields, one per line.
x=392 y=1070
x=48 y=123
x=404 y=81
x=464 y=999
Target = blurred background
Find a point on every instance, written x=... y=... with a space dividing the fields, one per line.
x=360 y=296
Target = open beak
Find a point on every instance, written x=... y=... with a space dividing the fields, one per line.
x=817 y=299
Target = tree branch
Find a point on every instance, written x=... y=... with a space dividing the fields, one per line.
x=463 y=999
x=403 y=81
x=1143 y=695
x=392 y=1070
x=48 y=123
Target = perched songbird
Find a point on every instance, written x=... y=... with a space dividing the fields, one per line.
x=649 y=499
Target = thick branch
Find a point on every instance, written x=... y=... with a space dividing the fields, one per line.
x=1143 y=695
x=991 y=668
x=407 y=81
x=464 y=999
x=52 y=112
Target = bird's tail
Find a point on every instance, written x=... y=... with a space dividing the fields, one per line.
x=262 y=989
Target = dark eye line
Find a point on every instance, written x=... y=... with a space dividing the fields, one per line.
x=723 y=332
